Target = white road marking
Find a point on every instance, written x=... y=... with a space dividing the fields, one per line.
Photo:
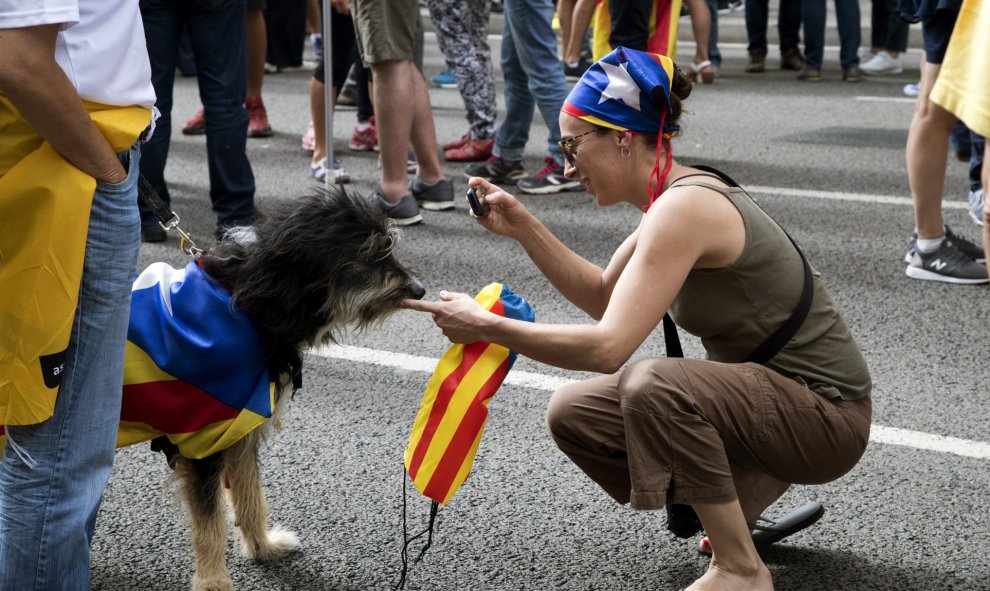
x=886 y=99
x=841 y=196
x=536 y=381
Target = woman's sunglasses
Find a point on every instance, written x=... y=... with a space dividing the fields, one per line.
x=569 y=144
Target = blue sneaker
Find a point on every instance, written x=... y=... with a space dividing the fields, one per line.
x=444 y=79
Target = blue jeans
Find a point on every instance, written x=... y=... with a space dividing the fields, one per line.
x=847 y=18
x=533 y=78
x=714 y=55
x=217 y=31
x=788 y=24
x=48 y=511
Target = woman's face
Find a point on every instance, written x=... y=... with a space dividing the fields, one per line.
x=590 y=157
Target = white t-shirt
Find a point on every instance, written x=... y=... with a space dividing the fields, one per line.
x=101 y=48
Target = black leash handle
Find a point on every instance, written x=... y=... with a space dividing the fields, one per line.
x=167 y=219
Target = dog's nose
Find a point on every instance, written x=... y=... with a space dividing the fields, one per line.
x=416 y=289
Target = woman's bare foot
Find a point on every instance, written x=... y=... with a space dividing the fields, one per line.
x=746 y=579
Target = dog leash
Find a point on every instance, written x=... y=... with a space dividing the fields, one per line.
x=167 y=219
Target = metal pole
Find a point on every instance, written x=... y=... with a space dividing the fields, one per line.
x=328 y=91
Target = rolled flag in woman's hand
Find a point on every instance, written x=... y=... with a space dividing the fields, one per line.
x=452 y=415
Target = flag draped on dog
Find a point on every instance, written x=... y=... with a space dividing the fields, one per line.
x=196 y=369
x=452 y=415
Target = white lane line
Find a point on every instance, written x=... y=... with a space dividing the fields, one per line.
x=525 y=379
x=886 y=99
x=841 y=196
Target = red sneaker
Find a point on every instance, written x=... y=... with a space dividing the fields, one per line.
x=458 y=143
x=258 y=118
x=196 y=125
x=471 y=151
x=364 y=141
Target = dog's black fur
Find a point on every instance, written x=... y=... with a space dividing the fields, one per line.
x=309 y=270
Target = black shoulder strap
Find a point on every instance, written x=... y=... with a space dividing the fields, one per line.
x=784 y=333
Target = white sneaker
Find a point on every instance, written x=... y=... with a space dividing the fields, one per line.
x=881 y=63
x=912 y=90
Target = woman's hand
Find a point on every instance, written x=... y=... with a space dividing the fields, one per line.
x=459 y=316
x=507 y=217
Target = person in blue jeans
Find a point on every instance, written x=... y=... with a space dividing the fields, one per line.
x=53 y=472
x=788 y=29
x=218 y=33
x=847 y=18
x=533 y=79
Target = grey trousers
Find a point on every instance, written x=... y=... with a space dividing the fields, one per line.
x=669 y=430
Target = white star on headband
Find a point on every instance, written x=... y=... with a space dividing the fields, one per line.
x=621 y=86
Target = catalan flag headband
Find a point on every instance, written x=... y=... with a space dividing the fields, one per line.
x=617 y=92
x=452 y=415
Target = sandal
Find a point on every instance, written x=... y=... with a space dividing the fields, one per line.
x=765 y=535
x=703 y=72
x=319 y=171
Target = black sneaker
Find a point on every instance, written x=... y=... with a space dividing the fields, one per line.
x=549 y=180
x=968 y=248
x=404 y=212
x=436 y=197
x=497 y=171
x=948 y=264
x=573 y=73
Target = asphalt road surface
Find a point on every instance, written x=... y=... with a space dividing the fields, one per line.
x=827 y=160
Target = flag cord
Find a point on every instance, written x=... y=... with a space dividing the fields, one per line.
x=407 y=540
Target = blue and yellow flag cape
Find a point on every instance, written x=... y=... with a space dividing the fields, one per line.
x=196 y=368
x=452 y=415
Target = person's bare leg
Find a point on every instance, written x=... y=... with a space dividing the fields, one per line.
x=926 y=153
x=735 y=564
x=580 y=20
x=565 y=16
x=391 y=95
x=985 y=179
x=424 y=132
x=257 y=47
x=756 y=492
x=701 y=26
x=317 y=109
x=313 y=24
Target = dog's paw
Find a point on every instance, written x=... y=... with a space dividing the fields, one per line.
x=212 y=583
x=279 y=544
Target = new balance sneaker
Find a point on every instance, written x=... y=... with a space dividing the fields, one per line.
x=881 y=63
x=498 y=171
x=404 y=212
x=472 y=151
x=319 y=171
x=257 y=117
x=444 y=79
x=436 y=197
x=196 y=125
x=968 y=248
x=976 y=206
x=550 y=179
x=947 y=264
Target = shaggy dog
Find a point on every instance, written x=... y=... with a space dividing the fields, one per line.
x=312 y=268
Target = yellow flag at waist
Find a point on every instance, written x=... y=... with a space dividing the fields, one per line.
x=453 y=412
x=663 y=29
x=44 y=216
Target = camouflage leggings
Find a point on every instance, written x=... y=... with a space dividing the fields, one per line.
x=462 y=33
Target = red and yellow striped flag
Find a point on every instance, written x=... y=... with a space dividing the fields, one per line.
x=452 y=415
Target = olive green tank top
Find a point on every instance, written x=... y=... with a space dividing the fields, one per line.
x=735 y=308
